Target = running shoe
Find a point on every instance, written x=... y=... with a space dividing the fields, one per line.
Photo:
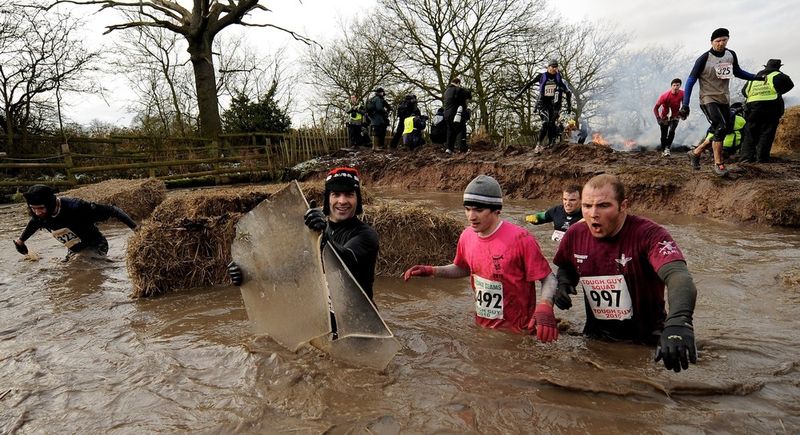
x=695 y=160
x=719 y=170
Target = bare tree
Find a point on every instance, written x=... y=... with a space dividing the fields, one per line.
x=588 y=55
x=157 y=73
x=38 y=55
x=350 y=65
x=199 y=26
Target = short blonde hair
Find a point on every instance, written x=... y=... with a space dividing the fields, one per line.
x=602 y=180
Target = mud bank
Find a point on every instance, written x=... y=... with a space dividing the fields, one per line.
x=761 y=193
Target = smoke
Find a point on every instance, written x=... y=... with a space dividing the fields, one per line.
x=625 y=118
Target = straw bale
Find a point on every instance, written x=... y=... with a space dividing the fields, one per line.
x=412 y=235
x=187 y=241
x=184 y=254
x=138 y=198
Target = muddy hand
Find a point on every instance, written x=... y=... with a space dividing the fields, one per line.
x=676 y=347
x=546 y=326
x=21 y=248
x=418 y=270
x=314 y=218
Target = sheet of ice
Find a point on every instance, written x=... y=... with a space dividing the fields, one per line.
x=284 y=289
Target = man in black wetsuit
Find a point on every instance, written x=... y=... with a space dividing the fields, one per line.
x=354 y=241
x=71 y=221
x=562 y=215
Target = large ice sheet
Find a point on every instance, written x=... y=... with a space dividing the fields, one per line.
x=364 y=339
x=284 y=290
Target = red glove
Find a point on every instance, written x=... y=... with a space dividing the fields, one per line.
x=418 y=270
x=546 y=326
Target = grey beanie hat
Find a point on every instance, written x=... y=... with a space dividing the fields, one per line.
x=484 y=191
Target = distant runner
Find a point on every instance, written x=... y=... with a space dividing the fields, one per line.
x=71 y=221
x=562 y=215
x=504 y=262
x=622 y=262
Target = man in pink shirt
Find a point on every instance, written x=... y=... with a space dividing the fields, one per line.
x=666 y=111
x=504 y=262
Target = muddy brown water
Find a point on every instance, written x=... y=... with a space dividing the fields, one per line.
x=78 y=356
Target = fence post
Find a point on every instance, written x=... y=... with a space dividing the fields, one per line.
x=68 y=161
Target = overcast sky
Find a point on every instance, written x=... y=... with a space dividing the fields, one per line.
x=759 y=30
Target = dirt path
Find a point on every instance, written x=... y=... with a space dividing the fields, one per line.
x=761 y=193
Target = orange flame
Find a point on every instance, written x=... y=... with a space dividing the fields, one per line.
x=597 y=138
x=629 y=144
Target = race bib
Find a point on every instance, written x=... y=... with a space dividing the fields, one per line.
x=608 y=297
x=549 y=90
x=724 y=70
x=488 y=298
x=66 y=237
x=557 y=235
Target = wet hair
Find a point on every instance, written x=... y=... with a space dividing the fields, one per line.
x=602 y=180
x=675 y=80
x=39 y=194
x=572 y=188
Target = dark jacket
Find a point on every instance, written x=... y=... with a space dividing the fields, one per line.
x=357 y=244
x=378 y=110
x=769 y=109
x=454 y=97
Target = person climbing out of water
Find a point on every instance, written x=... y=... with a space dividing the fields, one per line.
x=667 y=114
x=72 y=221
x=713 y=70
x=562 y=215
x=623 y=262
x=355 y=241
x=504 y=262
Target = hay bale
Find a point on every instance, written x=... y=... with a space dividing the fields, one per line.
x=138 y=198
x=412 y=235
x=187 y=241
x=787 y=138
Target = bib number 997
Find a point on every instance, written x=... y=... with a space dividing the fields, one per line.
x=609 y=297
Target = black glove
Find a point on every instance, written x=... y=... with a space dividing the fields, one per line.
x=562 y=299
x=21 y=248
x=676 y=347
x=315 y=219
x=684 y=111
x=235 y=272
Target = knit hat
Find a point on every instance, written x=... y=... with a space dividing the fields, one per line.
x=552 y=62
x=774 y=64
x=39 y=194
x=342 y=180
x=484 y=191
x=719 y=33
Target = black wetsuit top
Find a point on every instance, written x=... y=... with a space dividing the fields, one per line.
x=357 y=244
x=76 y=220
x=560 y=219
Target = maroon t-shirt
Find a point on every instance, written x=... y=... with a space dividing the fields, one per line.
x=614 y=267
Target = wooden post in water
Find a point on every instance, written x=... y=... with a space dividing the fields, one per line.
x=68 y=161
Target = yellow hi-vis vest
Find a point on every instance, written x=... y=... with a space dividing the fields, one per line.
x=733 y=139
x=762 y=90
x=408 y=125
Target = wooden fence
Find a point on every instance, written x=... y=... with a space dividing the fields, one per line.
x=55 y=161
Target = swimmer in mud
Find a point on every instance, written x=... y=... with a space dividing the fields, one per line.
x=562 y=215
x=71 y=221
x=504 y=262
x=622 y=262
x=354 y=241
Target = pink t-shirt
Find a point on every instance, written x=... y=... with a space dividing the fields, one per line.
x=668 y=103
x=504 y=268
x=635 y=254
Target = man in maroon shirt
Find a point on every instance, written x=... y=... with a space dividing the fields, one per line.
x=666 y=111
x=622 y=263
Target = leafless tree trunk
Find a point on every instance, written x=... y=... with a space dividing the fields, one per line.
x=199 y=26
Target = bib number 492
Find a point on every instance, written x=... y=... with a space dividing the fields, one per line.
x=488 y=300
